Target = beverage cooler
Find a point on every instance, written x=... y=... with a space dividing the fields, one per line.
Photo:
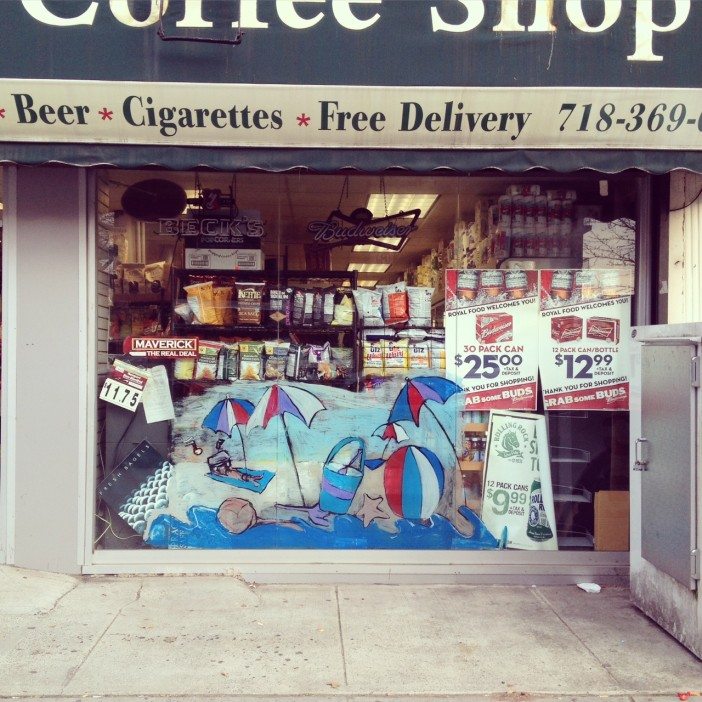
x=666 y=532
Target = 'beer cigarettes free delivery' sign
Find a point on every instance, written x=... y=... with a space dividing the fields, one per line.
x=491 y=338
x=584 y=338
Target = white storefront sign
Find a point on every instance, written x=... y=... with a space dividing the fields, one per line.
x=314 y=116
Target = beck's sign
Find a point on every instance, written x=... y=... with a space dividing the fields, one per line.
x=349 y=116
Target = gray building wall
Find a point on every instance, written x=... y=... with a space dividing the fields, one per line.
x=47 y=230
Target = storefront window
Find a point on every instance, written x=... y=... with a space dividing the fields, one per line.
x=362 y=362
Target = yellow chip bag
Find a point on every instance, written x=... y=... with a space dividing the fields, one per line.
x=201 y=301
x=395 y=355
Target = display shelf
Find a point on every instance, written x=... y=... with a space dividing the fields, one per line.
x=475 y=428
x=538 y=263
x=566 y=454
x=569 y=493
x=140 y=298
x=234 y=329
x=470 y=466
x=574 y=539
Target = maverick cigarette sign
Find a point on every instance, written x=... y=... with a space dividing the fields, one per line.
x=349 y=116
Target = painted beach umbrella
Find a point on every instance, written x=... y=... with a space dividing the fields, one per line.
x=416 y=393
x=279 y=400
x=391 y=432
x=388 y=432
x=414 y=482
x=227 y=415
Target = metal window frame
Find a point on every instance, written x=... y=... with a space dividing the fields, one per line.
x=287 y=565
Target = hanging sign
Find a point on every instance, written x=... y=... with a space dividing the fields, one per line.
x=491 y=340
x=517 y=492
x=216 y=231
x=389 y=232
x=124 y=385
x=584 y=332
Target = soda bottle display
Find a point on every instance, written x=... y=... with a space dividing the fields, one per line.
x=538 y=528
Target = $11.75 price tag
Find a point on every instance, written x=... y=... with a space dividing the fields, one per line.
x=124 y=386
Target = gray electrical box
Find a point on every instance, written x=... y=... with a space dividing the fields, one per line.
x=665 y=480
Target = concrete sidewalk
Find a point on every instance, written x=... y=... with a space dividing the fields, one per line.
x=216 y=636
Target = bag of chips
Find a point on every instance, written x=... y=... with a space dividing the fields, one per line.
x=133 y=279
x=201 y=301
x=277 y=303
x=184 y=368
x=369 y=307
x=328 y=306
x=308 y=309
x=342 y=361
x=249 y=299
x=319 y=362
x=438 y=355
x=231 y=368
x=318 y=309
x=412 y=334
x=223 y=305
x=419 y=306
x=395 y=357
x=207 y=360
x=250 y=360
x=156 y=277
x=372 y=358
x=276 y=359
x=296 y=307
x=419 y=354
x=394 y=303
x=185 y=312
x=296 y=364
x=343 y=309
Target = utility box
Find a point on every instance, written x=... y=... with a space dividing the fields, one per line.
x=666 y=478
x=612 y=520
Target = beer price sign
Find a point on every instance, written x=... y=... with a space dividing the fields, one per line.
x=517 y=494
x=584 y=332
x=491 y=340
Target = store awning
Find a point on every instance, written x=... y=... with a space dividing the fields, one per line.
x=361 y=160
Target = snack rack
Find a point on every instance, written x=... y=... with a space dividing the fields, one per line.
x=337 y=335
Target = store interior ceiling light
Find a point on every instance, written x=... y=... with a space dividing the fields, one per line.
x=367 y=282
x=393 y=240
x=368 y=267
x=390 y=204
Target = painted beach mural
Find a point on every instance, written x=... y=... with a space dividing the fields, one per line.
x=258 y=465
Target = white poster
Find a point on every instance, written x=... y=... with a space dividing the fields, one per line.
x=491 y=337
x=584 y=333
x=517 y=492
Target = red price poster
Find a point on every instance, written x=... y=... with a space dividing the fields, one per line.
x=584 y=333
x=491 y=337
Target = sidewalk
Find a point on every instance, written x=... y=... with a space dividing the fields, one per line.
x=220 y=638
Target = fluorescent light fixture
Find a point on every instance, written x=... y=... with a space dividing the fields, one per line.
x=400 y=203
x=392 y=240
x=368 y=267
x=367 y=283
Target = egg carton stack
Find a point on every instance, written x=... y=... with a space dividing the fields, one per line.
x=148 y=497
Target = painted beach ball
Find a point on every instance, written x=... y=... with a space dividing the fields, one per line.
x=414 y=481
